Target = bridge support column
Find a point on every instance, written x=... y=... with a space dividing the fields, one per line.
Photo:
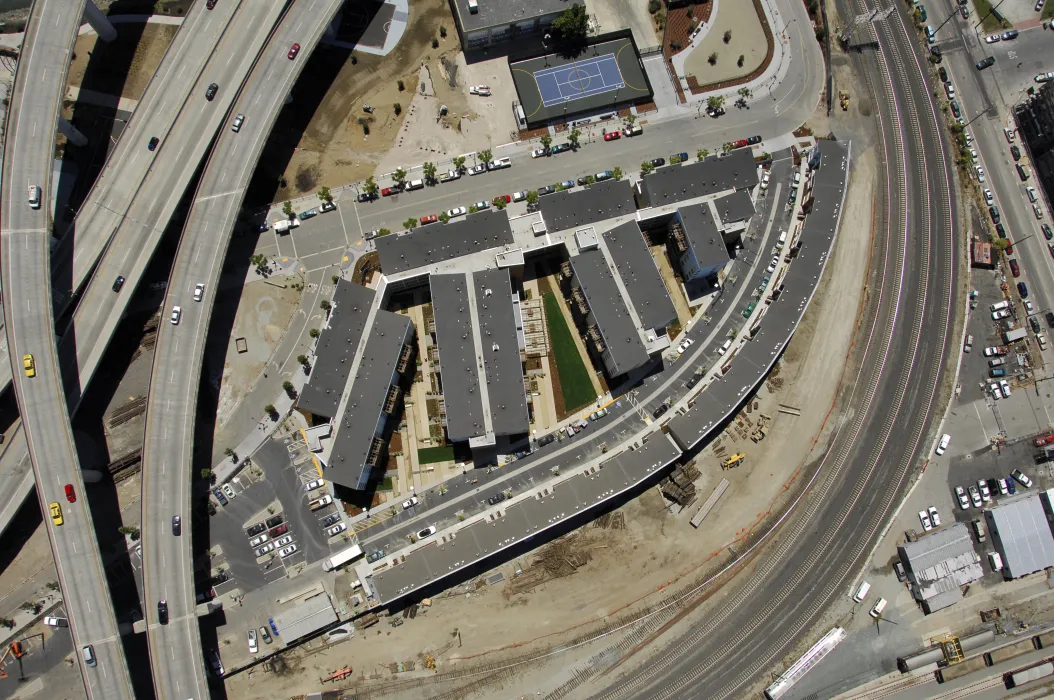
x=99 y=22
x=332 y=27
x=70 y=132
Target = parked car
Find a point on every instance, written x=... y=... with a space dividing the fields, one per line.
x=663 y=408
x=964 y=500
x=752 y=140
x=410 y=502
x=1008 y=35
x=987 y=62
x=658 y=162
x=477 y=169
x=1014 y=269
x=258 y=540
x=924 y=518
x=279 y=530
x=1022 y=289
x=975 y=496
x=288 y=539
x=685 y=344
x=481 y=90
x=567 y=184
x=539 y=152
x=480 y=206
x=561 y=147
x=457 y=211
x=992 y=38
x=496 y=499
x=336 y=529
x=287 y=551
x=1021 y=478
x=546 y=189
x=219 y=496
x=253 y=646
x=429 y=219
x=519 y=196
x=1001 y=484
x=260 y=551
x=1015 y=152
x=545 y=439
x=427 y=532
x=613 y=136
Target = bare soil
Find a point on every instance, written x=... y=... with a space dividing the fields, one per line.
x=123 y=67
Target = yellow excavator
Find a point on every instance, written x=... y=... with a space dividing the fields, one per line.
x=734 y=460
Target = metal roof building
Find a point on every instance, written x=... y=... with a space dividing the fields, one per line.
x=305 y=619
x=938 y=564
x=629 y=253
x=456 y=339
x=1022 y=535
x=436 y=243
x=675 y=183
x=620 y=344
x=587 y=205
x=336 y=348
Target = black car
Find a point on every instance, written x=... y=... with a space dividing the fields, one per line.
x=118 y=283
x=545 y=439
x=943 y=73
x=696 y=378
x=663 y=408
x=1000 y=230
x=496 y=499
x=219 y=578
x=1008 y=35
x=993 y=211
x=1022 y=289
x=365 y=197
x=275 y=520
x=715 y=112
x=162 y=612
x=153 y=143
x=1034 y=322
x=375 y=556
x=330 y=519
x=560 y=148
x=753 y=140
x=546 y=189
x=584 y=180
x=658 y=162
x=986 y=63
x=210 y=92
x=1047 y=232
x=1015 y=152
x=177 y=525
x=219 y=496
x=1050 y=319
x=255 y=530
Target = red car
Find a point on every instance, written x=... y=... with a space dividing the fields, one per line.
x=1014 y=269
x=506 y=197
x=389 y=191
x=613 y=136
x=293 y=51
x=70 y=495
x=280 y=530
x=1009 y=248
x=740 y=143
x=429 y=219
x=210 y=4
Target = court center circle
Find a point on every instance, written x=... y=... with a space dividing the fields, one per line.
x=575 y=80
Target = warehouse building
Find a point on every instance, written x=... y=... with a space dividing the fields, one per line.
x=486 y=22
x=1021 y=535
x=938 y=564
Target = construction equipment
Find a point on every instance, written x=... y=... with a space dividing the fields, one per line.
x=734 y=461
x=338 y=675
x=843 y=100
x=15 y=649
x=430 y=662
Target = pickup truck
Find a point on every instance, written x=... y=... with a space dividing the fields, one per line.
x=320 y=502
x=449 y=176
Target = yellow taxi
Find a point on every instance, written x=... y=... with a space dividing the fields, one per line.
x=29 y=365
x=56 y=513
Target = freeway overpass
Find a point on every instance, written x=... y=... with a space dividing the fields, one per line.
x=29 y=142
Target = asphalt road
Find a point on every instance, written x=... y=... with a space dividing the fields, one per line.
x=24 y=247
x=864 y=473
x=172 y=400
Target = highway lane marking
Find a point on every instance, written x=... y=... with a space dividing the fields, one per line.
x=23 y=230
x=347 y=241
x=221 y=194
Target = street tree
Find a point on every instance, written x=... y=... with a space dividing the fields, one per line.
x=370 y=186
x=485 y=156
x=573 y=23
x=575 y=133
x=444 y=217
x=410 y=224
x=646 y=167
x=499 y=202
x=532 y=197
x=429 y=171
x=287 y=209
x=399 y=175
x=324 y=194
x=459 y=163
x=546 y=141
x=616 y=173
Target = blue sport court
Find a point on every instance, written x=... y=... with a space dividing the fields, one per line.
x=580 y=79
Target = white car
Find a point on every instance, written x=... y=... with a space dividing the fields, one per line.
x=1009 y=133
x=287 y=551
x=288 y=539
x=176 y=313
x=1029 y=308
x=476 y=170
x=1044 y=77
x=989 y=198
x=265 y=549
x=324 y=500
x=456 y=211
x=975 y=496
x=942 y=446
x=996 y=561
x=1001 y=313
x=254 y=647
x=996 y=393
x=1037 y=210
x=1005 y=386
x=427 y=532
x=539 y=153
x=772 y=265
x=1021 y=478
x=964 y=500
x=950 y=90
x=924 y=518
x=481 y=90
x=229 y=492
x=410 y=502
x=982 y=486
x=199 y=291
x=685 y=344
x=1003 y=489
x=1031 y=192
x=52 y=621
x=969 y=137
x=336 y=529
x=257 y=541
x=316 y=484
x=992 y=38
x=480 y=206
x=980 y=173
x=519 y=196
x=935 y=518
x=992 y=351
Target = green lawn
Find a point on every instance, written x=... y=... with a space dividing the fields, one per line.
x=983 y=8
x=1048 y=11
x=575 y=386
x=431 y=455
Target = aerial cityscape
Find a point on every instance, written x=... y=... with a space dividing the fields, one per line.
x=492 y=349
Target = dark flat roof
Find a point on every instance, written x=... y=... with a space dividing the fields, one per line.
x=677 y=183
x=494 y=13
x=436 y=243
x=457 y=356
x=609 y=311
x=703 y=234
x=369 y=390
x=587 y=205
x=640 y=275
x=735 y=207
x=501 y=352
x=336 y=348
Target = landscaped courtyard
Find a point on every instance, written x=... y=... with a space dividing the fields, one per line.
x=735 y=32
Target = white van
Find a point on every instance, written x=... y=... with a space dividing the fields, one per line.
x=943 y=444
x=996 y=561
x=783 y=237
x=724 y=348
x=415 y=185
x=862 y=592
x=34 y=196
x=876 y=612
x=999 y=306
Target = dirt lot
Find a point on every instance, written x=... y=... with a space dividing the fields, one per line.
x=124 y=66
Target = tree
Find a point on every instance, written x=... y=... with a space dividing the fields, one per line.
x=257 y=260
x=401 y=85
x=444 y=217
x=485 y=156
x=325 y=305
x=573 y=23
x=472 y=209
x=130 y=531
x=712 y=59
x=631 y=119
x=206 y=473
x=269 y=409
x=324 y=194
x=575 y=133
x=726 y=147
x=230 y=453
x=383 y=231
x=399 y=175
x=546 y=140
x=746 y=93
x=442 y=31
x=646 y=167
x=430 y=171
x=410 y=224
x=370 y=187
x=739 y=62
x=702 y=153
x=7 y=622
x=435 y=43
x=459 y=163
x=532 y=197
x=821 y=34
x=287 y=209
x=654 y=6
x=499 y=202
x=302 y=359
x=288 y=387
x=398 y=108
x=715 y=101
x=616 y=173
x=728 y=36
x=313 y=332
